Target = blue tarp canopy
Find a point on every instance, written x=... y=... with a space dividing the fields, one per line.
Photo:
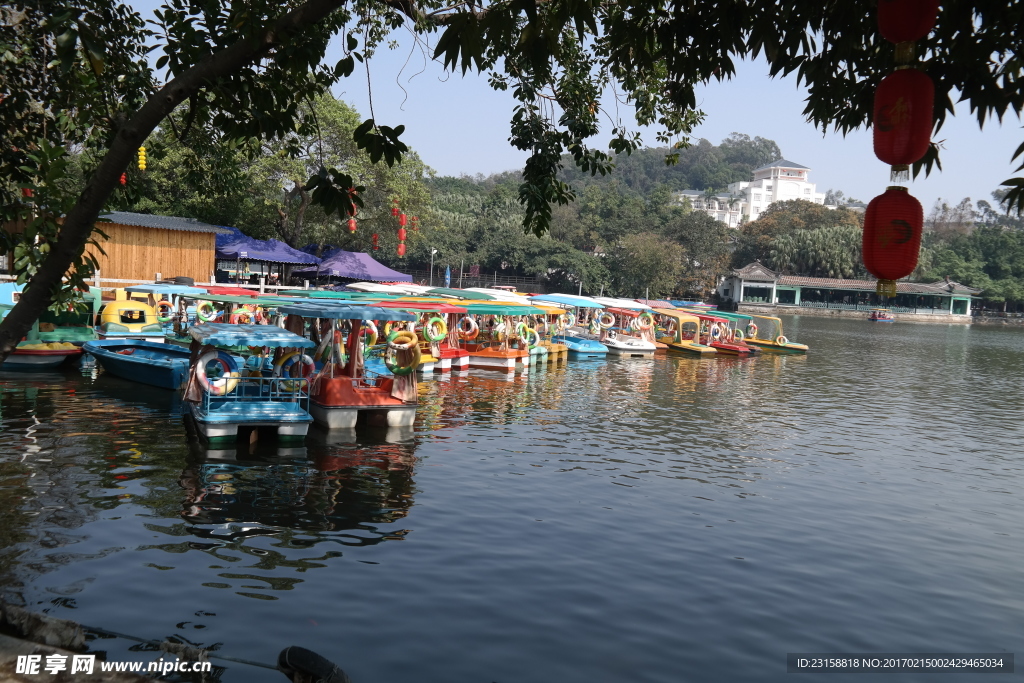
x=241 y=247
x=343 y=312
x=223 y=334
x=355 y=265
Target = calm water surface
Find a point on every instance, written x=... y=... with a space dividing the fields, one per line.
x=666 y=520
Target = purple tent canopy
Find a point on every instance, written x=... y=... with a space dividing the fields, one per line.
x=236 y=244
x=355 y=265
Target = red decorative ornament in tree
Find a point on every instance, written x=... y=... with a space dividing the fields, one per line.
x=902 y=126
x=892 y=237
x=402 y=220
x=415 y=224
x=374 y=239
x=401 y=249
x=27 y=192
x=394 y=207
x=124 y=178
x=904 y=21
x=402 y=234
x=351 y=225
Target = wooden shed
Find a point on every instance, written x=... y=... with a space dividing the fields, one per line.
x=138 y=246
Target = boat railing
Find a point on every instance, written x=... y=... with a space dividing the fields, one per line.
x=261 y=390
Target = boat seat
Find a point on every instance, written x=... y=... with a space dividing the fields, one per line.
x=255 y=411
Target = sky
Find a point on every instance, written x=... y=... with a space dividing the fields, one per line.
x=460 y=126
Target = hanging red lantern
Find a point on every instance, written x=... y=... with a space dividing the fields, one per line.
x=124 y=178
x=351 y=225
x=401 y=249
x=394 y=207
x=402 y=220
x=902 y=126
x=26 y=192
x=374 y=239
x=402 y=234
x=415 y=224
x=892 y=237
x=904 y=21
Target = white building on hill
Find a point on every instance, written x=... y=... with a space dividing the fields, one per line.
x=778 y=181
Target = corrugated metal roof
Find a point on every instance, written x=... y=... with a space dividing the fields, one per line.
x=146 y=220
x=781 y=163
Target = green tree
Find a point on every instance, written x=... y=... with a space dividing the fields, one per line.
x=782 y=218
x=646 y=262
x=833 y=252
x=705 y=243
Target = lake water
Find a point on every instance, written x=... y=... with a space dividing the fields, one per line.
x=659 y=520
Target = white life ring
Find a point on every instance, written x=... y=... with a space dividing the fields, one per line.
x=606 y=320
x=224 y=384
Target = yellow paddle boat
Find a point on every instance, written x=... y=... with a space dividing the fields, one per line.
x=681 y=332
x=765 y=332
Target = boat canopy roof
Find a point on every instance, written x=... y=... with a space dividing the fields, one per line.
x=501 y=308
x=730 y=315
x=227 y=299
x=344 y=312
x=628 y=312
x=159 y=288
x=679 y=314
x=329 y=294
x=568 y=300
x=620 y=303
x=230 y=291
x=225 y=334
x=381 y=288
x=427 y=306
x=460 y=293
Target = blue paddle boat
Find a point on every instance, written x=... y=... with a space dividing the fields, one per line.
x=154 y=363
x=228 y=401
x=580 y=344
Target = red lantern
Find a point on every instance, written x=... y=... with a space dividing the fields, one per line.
x=904 y=21
x=904 y=110
x=402 y=234
x=394 y=207
x=351 y=225
x=892 y=237
x=401 y=249
x=402 y=220
x=415 y=224
x=26 y=192
x=124 y=178
x=375 y=238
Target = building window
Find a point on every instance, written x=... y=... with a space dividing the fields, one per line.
x=721 y=217
x=807 y=190
x=757 y=197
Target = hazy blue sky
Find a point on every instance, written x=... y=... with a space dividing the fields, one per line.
x=460 y=126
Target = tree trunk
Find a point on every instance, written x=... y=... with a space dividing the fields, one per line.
x=79 y=222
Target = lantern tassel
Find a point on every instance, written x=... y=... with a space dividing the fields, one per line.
x=886 y=288
x=905 y=52
x=899 y=173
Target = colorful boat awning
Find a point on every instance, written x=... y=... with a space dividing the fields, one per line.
x=224 y=334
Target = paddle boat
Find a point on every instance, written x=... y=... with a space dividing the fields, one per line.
x=716 y=332
x=438 y=329
x=153 y=363
x=345 y=388
x=227 y=405
x=617 y=325
x=128 y=319
x=881 y=315
x=738 y=323
x=547 y=324
x=765 y=332
x=33 y=354
x=572 y=325
x=680 y=331
x=72 y=325
x=491 y=345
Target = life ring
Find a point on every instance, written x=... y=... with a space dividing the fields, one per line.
x=391 y=362
x=323 y=353
x=436 y=329
x=468 y=328
x=237 y=316
x=781 y=340
x=162 y=306
x=389 y=328
x=527 y=334
x=715 y=331
x=283 y=368
x=224 y=384
x=403 y=340
x=206 y=311
x=498 y=332
x=369 y=328
x=737 y=335
x=670 y=327
x=605 y=320
x=751 y=330
x=645 y=321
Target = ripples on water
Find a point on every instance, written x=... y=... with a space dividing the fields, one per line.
x=665 y=520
